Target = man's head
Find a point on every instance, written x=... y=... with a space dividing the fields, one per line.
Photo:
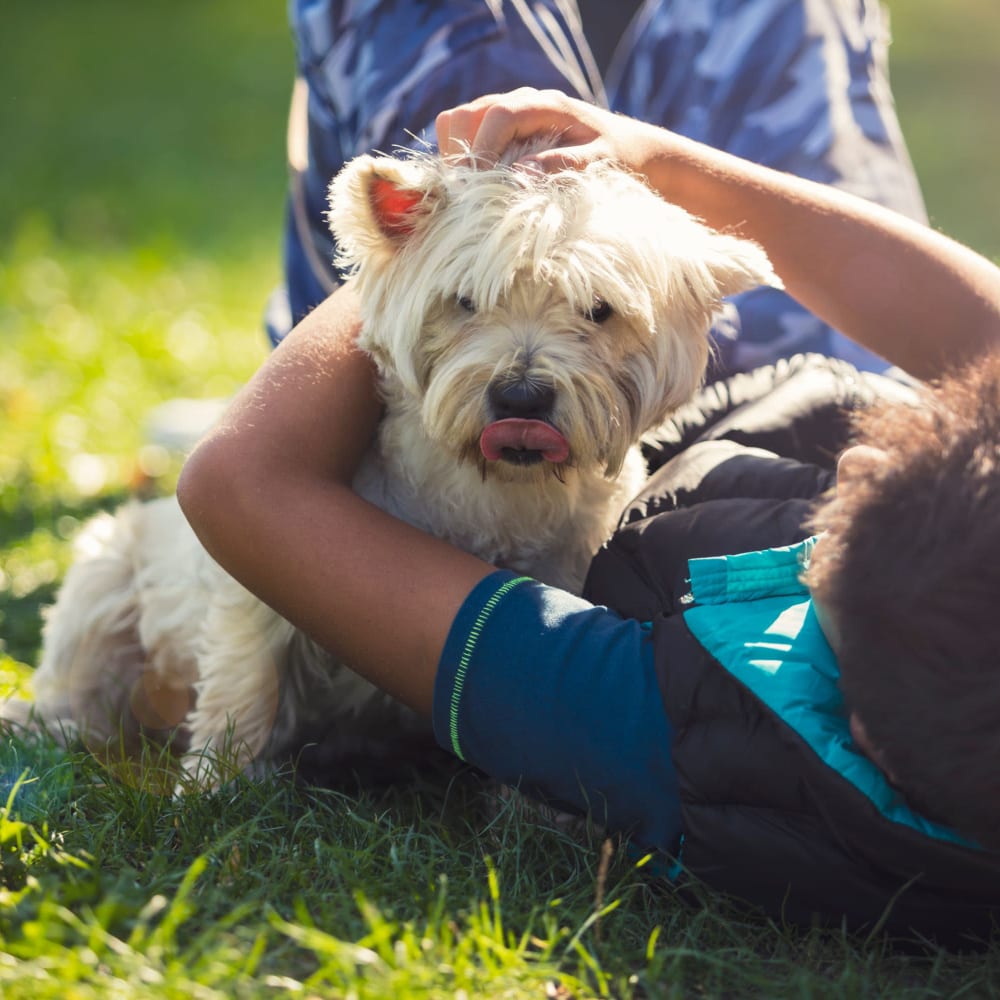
x=908 y=579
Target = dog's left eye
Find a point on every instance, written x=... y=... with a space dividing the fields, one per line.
x=599 y=312
x=466 y=303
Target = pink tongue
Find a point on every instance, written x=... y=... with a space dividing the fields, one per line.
x=523 y=435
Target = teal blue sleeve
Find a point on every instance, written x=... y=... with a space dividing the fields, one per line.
x=558 y=697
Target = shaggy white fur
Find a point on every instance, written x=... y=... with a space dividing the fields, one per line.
x=528 y=330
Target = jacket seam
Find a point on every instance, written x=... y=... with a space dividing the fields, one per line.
x=468 y=649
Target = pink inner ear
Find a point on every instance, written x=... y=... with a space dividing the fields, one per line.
x=393 y=207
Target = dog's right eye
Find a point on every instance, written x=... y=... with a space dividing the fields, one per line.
x=466 y=303
x=600 y=311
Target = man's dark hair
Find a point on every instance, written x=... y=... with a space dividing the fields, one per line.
x=910 y=577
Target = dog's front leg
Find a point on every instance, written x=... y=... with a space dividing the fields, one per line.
x=241 y=660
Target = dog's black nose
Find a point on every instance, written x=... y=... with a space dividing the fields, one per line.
x=525 y=399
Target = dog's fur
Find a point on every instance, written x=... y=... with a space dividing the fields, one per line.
x=528 y=330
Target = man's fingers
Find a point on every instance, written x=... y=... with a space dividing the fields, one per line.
x=456 y=129
x=487 y=127
x=550 y=161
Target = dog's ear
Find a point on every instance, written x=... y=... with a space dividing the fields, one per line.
x=394 y=207
x=737 y=265
x=377 y=203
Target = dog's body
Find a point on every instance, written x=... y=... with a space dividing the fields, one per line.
x=528 y=330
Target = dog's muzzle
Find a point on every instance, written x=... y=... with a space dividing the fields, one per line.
x=521 y=433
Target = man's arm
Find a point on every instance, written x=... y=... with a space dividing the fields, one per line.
x=921 y=300
x=269 y=495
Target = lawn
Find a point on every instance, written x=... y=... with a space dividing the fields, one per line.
x=141 y=191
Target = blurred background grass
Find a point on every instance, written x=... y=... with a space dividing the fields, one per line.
x=141 y=188
x=945 y=71
x=141 y=193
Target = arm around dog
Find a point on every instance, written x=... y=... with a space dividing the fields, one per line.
x=528 y=682
x=269 y=494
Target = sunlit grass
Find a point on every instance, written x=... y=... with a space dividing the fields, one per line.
x=92 y=343
x=141 y=190
x=267 y=889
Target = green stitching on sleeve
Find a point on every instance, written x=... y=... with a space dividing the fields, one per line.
x=463 y=664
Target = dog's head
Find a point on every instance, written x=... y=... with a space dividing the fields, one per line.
x=537 y=320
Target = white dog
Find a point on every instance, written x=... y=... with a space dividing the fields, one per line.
x=528 y=330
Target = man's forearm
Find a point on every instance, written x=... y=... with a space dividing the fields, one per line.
x=898 y=287
x=895 y=286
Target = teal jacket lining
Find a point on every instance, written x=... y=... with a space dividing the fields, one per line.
x=753 y=613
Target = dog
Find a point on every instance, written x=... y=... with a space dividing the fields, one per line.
x=527 y=330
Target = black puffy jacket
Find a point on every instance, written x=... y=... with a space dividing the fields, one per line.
x=764 y=817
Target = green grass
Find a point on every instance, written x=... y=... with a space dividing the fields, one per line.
x=141 y=189
x=945 y=68
x=269 y=889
